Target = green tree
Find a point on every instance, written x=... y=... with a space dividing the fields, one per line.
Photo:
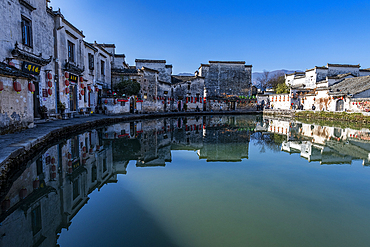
x=282 y=88
x=127 y=87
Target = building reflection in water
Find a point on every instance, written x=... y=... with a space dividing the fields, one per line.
x=325 y=144
x=42 y=199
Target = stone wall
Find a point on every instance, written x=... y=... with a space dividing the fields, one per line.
x=16 y=109
x=226 y=78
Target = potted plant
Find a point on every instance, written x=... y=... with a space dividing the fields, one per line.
x=61 y=107
x=44 y=112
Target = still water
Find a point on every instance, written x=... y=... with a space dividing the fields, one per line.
x=208 y=181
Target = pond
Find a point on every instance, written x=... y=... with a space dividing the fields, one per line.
x=195 y=181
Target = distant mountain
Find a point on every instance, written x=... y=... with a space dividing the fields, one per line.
x=256 y=75
x=186 y=74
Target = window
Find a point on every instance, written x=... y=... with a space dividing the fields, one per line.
x=36 y=220
x=76 y=189
x=71 y=52
x=91 y=61
x=26 y=32
x=102 y=69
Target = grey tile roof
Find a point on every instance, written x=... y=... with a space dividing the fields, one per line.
x=11 y=71
x=350 y=86
x=340 y=76
x=125 y=71
x=181 y=79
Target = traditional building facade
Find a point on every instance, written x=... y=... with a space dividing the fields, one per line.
x=226 y=78
x=27 y=68
x=335 y=87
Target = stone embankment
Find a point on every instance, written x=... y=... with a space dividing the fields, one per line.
x=19 y=147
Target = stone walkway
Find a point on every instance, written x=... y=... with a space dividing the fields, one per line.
x=14 y=146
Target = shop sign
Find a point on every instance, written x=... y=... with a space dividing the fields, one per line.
x=31 y=68
x=73 y=78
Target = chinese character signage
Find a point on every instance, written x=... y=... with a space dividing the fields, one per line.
x=31 y=68
x=73 y=78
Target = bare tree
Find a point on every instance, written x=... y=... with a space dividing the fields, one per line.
x=262 y=82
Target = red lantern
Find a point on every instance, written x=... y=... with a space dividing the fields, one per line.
x=96 y=89
x=66 y=74
x=31 y=87
x=23 y=193
x=36 y=183
x=66 y=82
x=81 y=79
x=50 y=76
x=52 y=161
x=53 y=175
x=191 y=99
x=5 y=205
x=53 y=168
x=83 y=161
x=69 y=163
x=82 y=92
x=69 y=156
x=67 y=90
x=89 y=87
x=106 y=101
x=84 y=149
x=84 y=155
x=70 y=170
x=1 y=86
x=50 y=84
x=97 y=148
x=17 y=86
x=82 y=85
x=50 y=91
x=91 y=150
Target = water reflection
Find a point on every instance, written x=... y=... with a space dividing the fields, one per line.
x=325 y=144
x=43 y=198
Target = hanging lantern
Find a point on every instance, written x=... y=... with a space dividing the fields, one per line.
x=89 y=87
x=69 y=163
x=53 y=168
x=106 y=101
x=36 y=183
x=52 y=161
x=69 y=156
x=66 y=82
x=53 y=175
x=82 y=85
x=1 y=86
x=81 y=79
x=66 y=74
x=50 y=76
x=50 y=84
x=67 y=90
x=17 y=86
x=23 y=193
x=91 y=150
x=84 y=155
x=50 y=91
x=5 y=205
x=82 y=92
x=31 y=87
x=70 y=170
x=96 y=89
x=84 y=149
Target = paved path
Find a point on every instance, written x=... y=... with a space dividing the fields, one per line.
x=13 y=146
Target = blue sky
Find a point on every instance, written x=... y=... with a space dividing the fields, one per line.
x=270 y=35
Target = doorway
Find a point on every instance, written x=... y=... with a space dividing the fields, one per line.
x=339 y=105
x=36 y=101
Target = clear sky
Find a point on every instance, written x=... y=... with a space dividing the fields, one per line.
x=270 y=35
